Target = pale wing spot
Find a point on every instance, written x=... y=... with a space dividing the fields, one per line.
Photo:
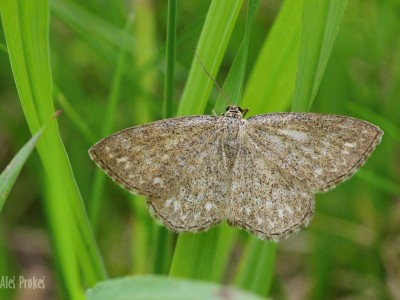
x=122 y=159
x=127 y=166
x=257 y=201
x=125 y=143
x=350 y=145
x=111 y=155
x=276 y=141
x=176 y=205
x=268 y=204
x=280 y=213
x=165 y=157
x=168 y=202
x=235 y=185
x=275 y=194
x=159 y=181
x=318 y=171
x=184 y=217
x=259 y=220
x=208 y=206
x=108 y=149
x=348 y=124
x=196 y=216
x=301 y=160
x=294 y=134
x=345 y=152
x=148 y=161
x=289 y=210
x=307 y=150
x=248 y=210
x=200 y=197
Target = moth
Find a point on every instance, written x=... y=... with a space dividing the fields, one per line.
x=260 y=174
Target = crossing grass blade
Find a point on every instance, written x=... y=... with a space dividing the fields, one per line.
x=10 y=174
x=272 y=79
x=99 y=181
x=163 y=249
x=25 y=25
x=233 y=86
x=256 y=267
x=195 y=255
x=101 y=35
x=320 y=25
x=221 y=18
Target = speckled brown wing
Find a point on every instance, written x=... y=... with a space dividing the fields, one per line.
x=201 y=198
x=319 y=150
x=153 y=159
x=264 y=199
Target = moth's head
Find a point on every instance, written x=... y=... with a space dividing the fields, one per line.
x=234 y=111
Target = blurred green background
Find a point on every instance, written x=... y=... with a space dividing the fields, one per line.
x=351 y=249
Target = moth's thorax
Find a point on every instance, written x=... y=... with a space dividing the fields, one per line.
x=233 y=129
x=233 y=111
x=232 y=121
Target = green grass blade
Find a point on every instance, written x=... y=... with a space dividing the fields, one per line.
x=163 y=247
x=162 y=250
x=147 y=56
x=277 y=62
x=217 y=29
x=25 y=25
x=163 y=288
x=233 y=88
x=3 y=48
x=272 y=80
x=168 y=105
x=382 y=183
x=146 y=235
x=222 y=250
x=142 y=234
x=257 y=267
x=101 y=35
x=320 y=25
x=74 y=116
x=195 y=254
x=99 y=181
x=233 y=85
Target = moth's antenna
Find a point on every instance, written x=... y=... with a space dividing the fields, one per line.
x=215 y=83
